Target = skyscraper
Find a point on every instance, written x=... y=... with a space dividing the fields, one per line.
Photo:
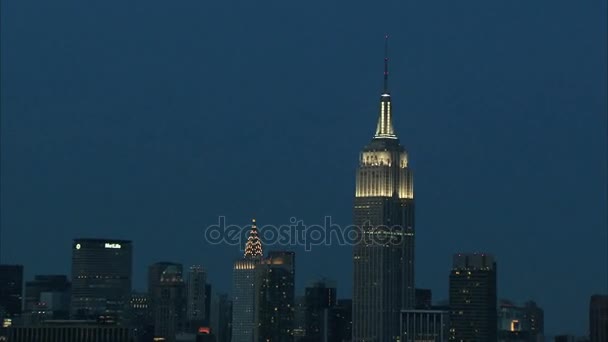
x=384 y=214
x=598 y=318
x=243 y=288
x=101 y=277
x=140 y=316
x=320 y=299
x=154 y=272
x=275 y=297
x=534 y=319
x=11 y=290
x=343 y=320
x=197 y=280
x=170 y=303
x=473 y=312
x=221 y=317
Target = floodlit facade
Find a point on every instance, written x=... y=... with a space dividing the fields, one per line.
x=384 y=212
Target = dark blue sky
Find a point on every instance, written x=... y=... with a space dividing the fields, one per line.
x=147 y=119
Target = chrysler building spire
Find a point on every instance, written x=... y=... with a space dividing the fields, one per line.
x=385 y=129
x=253 y=247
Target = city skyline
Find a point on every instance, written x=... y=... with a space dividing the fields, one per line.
x=100 y=157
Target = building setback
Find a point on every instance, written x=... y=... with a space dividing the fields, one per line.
x=383 y=255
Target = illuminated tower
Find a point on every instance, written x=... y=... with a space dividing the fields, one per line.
x=243 y=288
x=384 y=212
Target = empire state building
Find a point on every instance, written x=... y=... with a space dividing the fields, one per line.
x=384 y=212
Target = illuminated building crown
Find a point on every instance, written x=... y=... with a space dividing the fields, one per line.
x=253 y=247
x=385 y=129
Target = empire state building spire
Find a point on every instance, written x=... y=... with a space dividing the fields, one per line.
x=385 y=129
x=253 y=247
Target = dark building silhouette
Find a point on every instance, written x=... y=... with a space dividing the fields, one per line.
x=221 y=317
x=383 y=256
x=101 y=278
x=520 y=323
x=47 y=297
x=424 y=325
x=473 y=308
x=299 y=331
x=70 y=330
x=154 y=272
x=169 y=298
x=275 y=297
x=325 y=317
x=424 y=299
x=207 y=305
x=342 y=315
x=197 y=305
x=598 y=318
x=139 y=316
x=534 y=318
x=565 y=338
x=320 y=299
x=11 y=290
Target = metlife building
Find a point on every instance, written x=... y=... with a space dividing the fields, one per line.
x=101 y=278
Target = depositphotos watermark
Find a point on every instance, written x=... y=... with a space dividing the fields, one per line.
x=296 y=233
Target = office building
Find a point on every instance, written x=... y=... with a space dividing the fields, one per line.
x=243 y=288
x=473 y=311
x=424 y=325
x=275 y=297
x=11 y=290
x=70 y=331
x=169 y=299
x=383 y=254
x=139 y=316
x=342 y=315
x=47 y=297
x=197 y=281
x=520 y=323
x=320 y=298
x=598 y=318
x=101 y=277
x=221 y=316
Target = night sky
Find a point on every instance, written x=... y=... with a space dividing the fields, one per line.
x=146 y=120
